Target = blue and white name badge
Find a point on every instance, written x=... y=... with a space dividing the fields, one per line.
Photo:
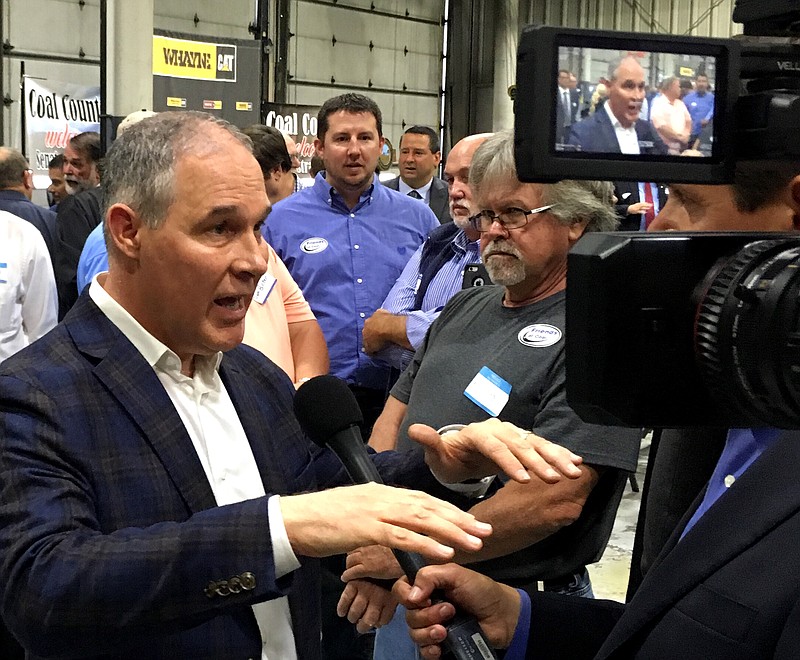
x=264 y=287
x=489 y=391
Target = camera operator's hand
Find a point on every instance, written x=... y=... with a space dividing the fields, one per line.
x=495 y=606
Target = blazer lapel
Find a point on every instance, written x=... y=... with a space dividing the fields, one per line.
x=609 y=135
x=249 y=409
x=713 y=541
x=128 y=377
x=439 y=201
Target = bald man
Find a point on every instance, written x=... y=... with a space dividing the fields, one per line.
x=435 y=272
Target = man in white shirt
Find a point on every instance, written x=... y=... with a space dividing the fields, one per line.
x=149 y=461
x=28 y=300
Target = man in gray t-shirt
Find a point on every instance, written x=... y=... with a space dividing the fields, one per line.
x=499 y=352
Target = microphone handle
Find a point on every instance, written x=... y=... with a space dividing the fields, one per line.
x=465 y=640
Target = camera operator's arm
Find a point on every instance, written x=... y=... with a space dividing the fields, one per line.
x=551 y=633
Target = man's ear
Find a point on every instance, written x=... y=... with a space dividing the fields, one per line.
x=27 y=180
x=576 y=230
x=794 y=190
x=94 y=176
x=124 y=229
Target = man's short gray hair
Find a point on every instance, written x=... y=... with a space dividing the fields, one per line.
x=575 y=201
x=140 y=165
x=12 y=168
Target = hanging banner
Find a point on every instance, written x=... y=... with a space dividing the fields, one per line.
x=197 y=60
x=222 y=79
x=54 y=113
x=299 y=121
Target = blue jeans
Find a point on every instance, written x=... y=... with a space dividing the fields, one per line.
x=392 y=641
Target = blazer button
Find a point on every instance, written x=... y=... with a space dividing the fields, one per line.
x=248 y=581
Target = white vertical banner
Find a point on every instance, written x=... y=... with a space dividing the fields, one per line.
x=55 y=112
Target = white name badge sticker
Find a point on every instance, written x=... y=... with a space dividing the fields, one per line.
x=489 y=391
x=264 y=288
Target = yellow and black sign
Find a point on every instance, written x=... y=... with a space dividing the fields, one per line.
x=199 y=60
x=244 y=106
x=176 y=102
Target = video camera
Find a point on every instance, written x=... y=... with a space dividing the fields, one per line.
x=677 y=329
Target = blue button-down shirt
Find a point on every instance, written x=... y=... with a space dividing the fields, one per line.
x=94 y=257
x=700 y=107
x=346 y=261
x=742 y=448
x=444 y=285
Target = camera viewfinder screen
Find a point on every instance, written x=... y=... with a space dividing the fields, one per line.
x=641 y=103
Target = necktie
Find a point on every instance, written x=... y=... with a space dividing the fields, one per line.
x=415 y=194
x=650 y=214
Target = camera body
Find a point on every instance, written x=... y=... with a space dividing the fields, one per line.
x=678 y=329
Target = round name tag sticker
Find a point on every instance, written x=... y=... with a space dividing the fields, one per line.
x=539 y=335
x=313 y=245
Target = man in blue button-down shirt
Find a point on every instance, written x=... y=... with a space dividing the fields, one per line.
x=346 y=239
x=700 y=104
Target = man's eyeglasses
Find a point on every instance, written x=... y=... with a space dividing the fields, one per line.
x=512 y=218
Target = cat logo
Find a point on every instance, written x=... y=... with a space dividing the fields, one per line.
x=226 y=62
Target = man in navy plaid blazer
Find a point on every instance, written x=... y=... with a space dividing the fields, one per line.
x=143 y=448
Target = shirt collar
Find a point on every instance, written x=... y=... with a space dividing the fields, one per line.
x=404 y=188
x=462 y=243
x=334 y=199
x=615 y=122
x=157 y=354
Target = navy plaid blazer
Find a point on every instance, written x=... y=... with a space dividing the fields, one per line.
x=109 y=531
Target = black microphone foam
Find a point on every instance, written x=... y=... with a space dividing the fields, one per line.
x=324 y=406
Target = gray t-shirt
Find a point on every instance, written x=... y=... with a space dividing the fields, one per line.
x=524 y=346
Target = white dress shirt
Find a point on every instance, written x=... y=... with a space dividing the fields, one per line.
x=28 y=298
x=424 y=191
x=628 y=141
x=207 y=412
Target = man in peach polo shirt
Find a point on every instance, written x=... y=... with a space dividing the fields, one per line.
x=279 y=321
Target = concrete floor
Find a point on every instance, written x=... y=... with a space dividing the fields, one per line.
x=610 y=574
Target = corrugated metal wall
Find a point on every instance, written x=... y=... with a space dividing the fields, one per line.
x=477 y=42
x=701 y=18
x=60 y=39
x=390 y=50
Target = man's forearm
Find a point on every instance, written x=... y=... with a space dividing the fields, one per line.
x=309 y=350
x=524 y=514
x=387 y=426
x=385 y=328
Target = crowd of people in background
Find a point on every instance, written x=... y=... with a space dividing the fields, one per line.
x=147 y=434
x=678 y=108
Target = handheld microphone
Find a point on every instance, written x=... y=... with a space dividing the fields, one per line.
x=329 y=414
